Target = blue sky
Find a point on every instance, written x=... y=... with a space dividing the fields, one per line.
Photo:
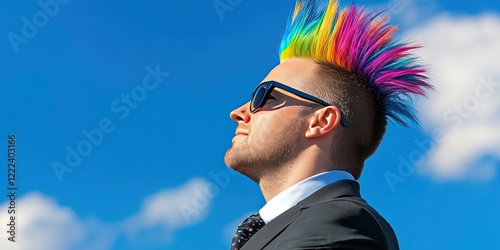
x=153 y=176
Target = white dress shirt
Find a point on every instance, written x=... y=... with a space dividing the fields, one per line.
x=299 y=191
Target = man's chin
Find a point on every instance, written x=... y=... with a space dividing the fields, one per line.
x=244 y=170
x=231 y=158
x=228 y=160
x=231 y=163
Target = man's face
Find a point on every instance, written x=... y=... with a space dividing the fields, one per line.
x=269 y=138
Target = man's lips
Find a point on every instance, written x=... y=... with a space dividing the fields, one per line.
x=241 y=132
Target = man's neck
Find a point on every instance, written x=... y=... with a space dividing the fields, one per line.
x=309 y=162
x=274 y=183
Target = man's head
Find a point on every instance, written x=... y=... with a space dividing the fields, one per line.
x=346 y=58
x=270 y=138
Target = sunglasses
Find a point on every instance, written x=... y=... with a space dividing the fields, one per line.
x=263 y=91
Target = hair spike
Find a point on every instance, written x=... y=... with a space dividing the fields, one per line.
x=360 y=42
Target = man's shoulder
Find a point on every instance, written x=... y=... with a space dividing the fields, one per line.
x=345 y=221
x=340 y=199
x=347 y=211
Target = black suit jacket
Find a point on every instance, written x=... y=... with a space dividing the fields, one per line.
x=334 y=217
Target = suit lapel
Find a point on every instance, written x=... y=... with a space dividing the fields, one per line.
x=338 y=189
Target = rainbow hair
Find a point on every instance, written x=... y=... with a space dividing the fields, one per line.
x=360 y=43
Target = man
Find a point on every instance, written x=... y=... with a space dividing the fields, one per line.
x=311 y=124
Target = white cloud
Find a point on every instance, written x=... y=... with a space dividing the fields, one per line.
x=42 y=224
x=170 y=209
x=463 y=57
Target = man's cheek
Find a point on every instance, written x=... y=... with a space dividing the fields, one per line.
x=266 y=127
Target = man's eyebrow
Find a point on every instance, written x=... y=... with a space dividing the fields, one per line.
x=278 y=92
x=283 y=92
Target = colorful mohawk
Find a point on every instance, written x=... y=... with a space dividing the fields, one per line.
x=360 y=43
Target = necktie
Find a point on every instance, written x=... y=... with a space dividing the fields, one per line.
x=246 y=229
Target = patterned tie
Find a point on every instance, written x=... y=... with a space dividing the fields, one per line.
x=247 y=229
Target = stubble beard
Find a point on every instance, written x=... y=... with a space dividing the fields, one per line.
x=268 y=155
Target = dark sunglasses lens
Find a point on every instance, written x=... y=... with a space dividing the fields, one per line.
x=258 y=97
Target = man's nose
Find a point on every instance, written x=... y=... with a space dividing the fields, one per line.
x=241 y=113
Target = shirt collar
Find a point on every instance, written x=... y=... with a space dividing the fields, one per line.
x=299 y=191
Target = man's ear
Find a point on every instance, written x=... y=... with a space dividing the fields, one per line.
x=323 y=121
